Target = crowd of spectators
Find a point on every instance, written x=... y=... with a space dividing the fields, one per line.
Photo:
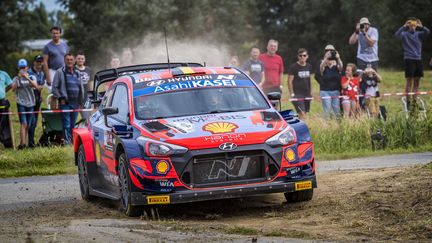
x=355 y=88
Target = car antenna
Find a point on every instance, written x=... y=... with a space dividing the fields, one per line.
x=166 y=46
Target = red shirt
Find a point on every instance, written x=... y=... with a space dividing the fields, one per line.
x=273 y=67
x=352 y=89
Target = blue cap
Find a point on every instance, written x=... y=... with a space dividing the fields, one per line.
x=22 y=63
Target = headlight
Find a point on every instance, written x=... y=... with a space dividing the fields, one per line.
x=285 y=137
x=160 y=149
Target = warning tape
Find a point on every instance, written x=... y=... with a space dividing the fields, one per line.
x=290 y=99
x=344 y=96
x=44 y=111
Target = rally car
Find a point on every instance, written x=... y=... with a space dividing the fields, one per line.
x=181 y=132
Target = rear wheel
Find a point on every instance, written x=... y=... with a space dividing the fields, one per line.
x=299 y=196
x=83 y=174
x=124 y=186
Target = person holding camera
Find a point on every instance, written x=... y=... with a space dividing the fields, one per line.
x=330 y=81
x=367 y=38
x=69 y=91
x=370 y=78
x=411 y=34
x=23 y=85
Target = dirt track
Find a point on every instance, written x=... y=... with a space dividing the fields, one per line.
x=375 y=204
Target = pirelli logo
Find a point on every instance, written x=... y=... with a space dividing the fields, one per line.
x=158 y=200
x=304 y=185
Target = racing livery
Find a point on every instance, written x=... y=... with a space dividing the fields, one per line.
x=181 y=132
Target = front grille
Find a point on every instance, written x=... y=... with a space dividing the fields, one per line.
x=229 y=168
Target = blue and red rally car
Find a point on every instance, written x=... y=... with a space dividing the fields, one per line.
x=180 y=132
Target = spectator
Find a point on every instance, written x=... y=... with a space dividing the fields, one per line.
x=350 y=90
x=84 y=73
x=273 y=68
x=37 y=72
x=411 y=34
x=367 y=38
x=127 y=57
x=254 y=67
x=371 y=78
x=330 y=72
x=115 y=62
x=53 y=54
x=5 y=133
x=299 y=83
x=234 y=61
x=23 y=85
x=69 y=91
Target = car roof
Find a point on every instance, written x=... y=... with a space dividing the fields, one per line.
x=181 y=71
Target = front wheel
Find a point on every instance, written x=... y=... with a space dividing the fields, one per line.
x=83 y=175
x=299 y=196
x=124 y=186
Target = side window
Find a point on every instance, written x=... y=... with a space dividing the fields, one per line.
x=120 y=100
x=106 y=98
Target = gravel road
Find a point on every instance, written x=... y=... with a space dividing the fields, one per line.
x=26 y=191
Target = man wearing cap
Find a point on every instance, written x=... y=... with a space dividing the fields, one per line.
x=38 y=73
x=53 y=54
x=273 y=68
x=5 y=86
x=367 y=38
x=23 y=85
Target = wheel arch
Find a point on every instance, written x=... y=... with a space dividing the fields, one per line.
x=83 y=136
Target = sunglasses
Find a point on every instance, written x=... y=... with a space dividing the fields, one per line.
x=305 y=55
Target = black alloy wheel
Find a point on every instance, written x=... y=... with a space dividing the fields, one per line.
x=83 y=175
x=124 y=186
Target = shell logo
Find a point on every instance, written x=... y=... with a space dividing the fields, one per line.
x=290 y=155
x=220 y=127
x=162 y=167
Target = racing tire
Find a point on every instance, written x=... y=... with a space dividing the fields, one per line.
x=83 y=175
x=124 y=186
x=300 y=196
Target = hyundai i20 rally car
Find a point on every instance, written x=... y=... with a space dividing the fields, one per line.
x=181 y=132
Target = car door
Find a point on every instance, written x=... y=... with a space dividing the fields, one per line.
x=104 y=137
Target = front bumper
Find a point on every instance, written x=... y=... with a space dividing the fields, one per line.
x=139 y=198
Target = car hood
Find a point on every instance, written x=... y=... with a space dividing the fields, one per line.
x=210 y=130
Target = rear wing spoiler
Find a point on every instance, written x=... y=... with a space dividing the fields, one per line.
x=108 y=75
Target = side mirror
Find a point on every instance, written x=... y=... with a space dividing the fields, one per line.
x=274 y=96
x=109 y=111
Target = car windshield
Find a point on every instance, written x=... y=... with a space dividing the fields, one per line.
x=198 y=101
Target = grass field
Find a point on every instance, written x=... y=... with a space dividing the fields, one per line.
x=333 y=139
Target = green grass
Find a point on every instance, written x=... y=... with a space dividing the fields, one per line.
x=37 y=161
x=333 y=139
x=240 y=230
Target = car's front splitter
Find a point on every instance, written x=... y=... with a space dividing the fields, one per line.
x=139 y=198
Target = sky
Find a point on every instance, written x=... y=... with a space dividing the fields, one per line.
x=50 y=5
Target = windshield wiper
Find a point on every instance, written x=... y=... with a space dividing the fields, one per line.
x=220 y=111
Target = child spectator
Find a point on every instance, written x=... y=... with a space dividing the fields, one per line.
x=350 y=90
x=23 y=85
x=370 y=78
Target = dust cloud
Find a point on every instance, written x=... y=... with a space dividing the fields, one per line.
x=152 y=50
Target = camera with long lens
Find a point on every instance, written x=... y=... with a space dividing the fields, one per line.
x=362 y=26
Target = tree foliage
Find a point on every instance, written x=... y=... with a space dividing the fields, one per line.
x=20 y=20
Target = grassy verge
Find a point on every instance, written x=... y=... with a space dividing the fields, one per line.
x=38 y=161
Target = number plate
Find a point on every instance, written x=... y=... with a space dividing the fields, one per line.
x=158 y=199
x=304 y=185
